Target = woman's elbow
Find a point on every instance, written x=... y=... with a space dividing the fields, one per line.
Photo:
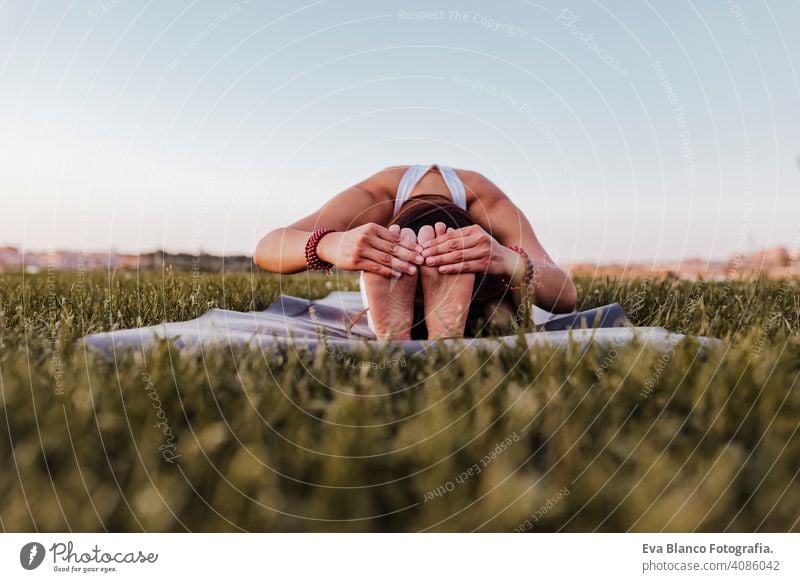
x=264 y=253
x=568 y=298
x=565 y=298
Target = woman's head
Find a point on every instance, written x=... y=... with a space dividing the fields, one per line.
x=430 y=209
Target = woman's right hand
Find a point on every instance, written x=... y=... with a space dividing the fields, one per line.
x=372 y=248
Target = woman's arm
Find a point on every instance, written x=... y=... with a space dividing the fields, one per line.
x=361 y=244
x=472 y=249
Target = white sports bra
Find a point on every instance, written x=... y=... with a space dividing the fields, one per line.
x=415 y=173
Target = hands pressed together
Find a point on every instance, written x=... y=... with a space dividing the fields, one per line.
x=393 y=251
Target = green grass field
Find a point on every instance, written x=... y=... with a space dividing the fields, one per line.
x=517 y=440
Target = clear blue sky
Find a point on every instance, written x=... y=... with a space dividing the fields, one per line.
x=625 y=130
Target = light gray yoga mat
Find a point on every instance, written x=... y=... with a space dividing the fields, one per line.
x=334 y=322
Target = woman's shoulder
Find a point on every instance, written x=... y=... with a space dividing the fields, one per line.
x=478 y=186
x=392 y=172
x=383 y=183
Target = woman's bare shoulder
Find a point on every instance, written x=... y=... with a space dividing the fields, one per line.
x=479 y=186
x=390 y=173
x=384 y=182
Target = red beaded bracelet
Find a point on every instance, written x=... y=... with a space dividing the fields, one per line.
x=313 y=262
x=529 y=267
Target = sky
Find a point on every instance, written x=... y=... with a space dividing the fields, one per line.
x=626 y=131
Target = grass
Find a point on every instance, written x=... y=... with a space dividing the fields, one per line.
x=514 y=440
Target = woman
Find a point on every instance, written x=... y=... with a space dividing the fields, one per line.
x=442 y=252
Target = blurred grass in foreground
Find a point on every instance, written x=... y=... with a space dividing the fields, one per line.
x=531 y=440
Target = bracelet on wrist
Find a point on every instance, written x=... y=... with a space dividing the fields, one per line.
x=313 y=262
x=529 y=271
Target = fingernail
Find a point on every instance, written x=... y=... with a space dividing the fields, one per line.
x=430 y=262
x=426 y=253
x=419 y=259
x=396 y=274
x=426 y=244
x=418 y=248
x=412 y=270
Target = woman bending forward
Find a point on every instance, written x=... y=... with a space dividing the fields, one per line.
x=442 y=252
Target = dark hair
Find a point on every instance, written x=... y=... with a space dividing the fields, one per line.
x=489 y=294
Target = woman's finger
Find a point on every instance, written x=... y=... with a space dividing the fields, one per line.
x=373 y=267
x=409 y=239
x=454 y=244
x=451 y=233
x=441 y=238
x=388 y=260
x=474 y=266
x=453 y=257
x=396 y=249
x=393 y=235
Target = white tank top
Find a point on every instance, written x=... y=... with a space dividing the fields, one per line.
x=415 y=173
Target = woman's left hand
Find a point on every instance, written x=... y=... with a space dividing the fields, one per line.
x=468 y=250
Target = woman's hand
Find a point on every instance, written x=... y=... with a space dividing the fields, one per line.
x=373 y=248
x=470 y=250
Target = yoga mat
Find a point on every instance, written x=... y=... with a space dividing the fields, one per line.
x=333 y=322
